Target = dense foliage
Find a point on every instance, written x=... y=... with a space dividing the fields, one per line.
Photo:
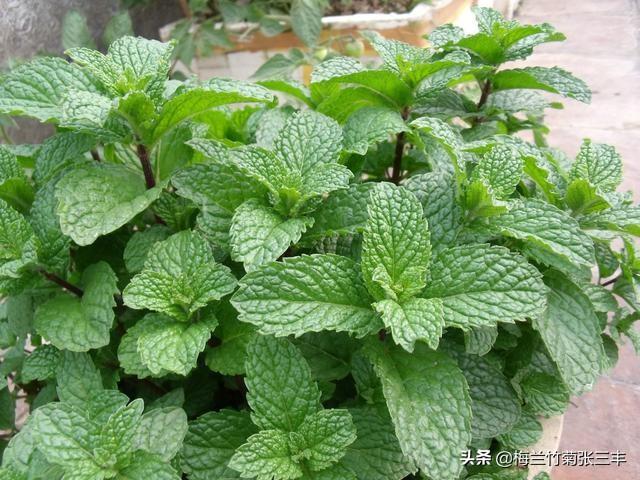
x=203 y=280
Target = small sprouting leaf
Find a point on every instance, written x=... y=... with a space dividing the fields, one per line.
x=598 y=163
x=370 y=125
x=180 y=276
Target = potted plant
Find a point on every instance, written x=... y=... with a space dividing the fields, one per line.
x=223 y=38
x=384 y=284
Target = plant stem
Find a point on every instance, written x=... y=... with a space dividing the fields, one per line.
x=62 y=282
x=610 y=281
x=184 y=6
x=397 y=160
x=486 y=90
x=143 y=155
x=95 y=155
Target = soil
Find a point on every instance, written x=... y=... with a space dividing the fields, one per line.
x=348 y=7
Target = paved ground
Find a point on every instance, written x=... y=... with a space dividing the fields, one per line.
x=602 y=47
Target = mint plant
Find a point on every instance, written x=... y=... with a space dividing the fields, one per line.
x=204 y=280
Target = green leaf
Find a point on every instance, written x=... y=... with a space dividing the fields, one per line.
x=145 y=466
x=412 y=320
x=371 y=125
x=598 y=163
x=429 y=404
x=394 y=52
x=501 y=168
x=180 y=276
x=53 y=245
x=544 y=394
x=306 y=294
x=328 y=354
x=437 y=193
x=307 y=139
x=524 y=433
x=228 y=357
x=480 y=340
x=571 y=331
x=281 y=391
x=343 y=213
x=37 y=88
x=78 y=379
x=584 y=198
x=617 y=219
x=480 y=285
x=545 y=226
x=494 y=404
x=326 y=435
x=60 y=151
x=213 y=94
x=376 y=453
x=210 y=443
x=266 y=455
x=396 y=248
x=81 y=324
x=444 y=34
x=260 y=235
x=554 y=79
x=167 y=344
x=306 y=19
x=14 y=185
x=18 y=243
x=118 y=26
x=75 y=31
x=161 y=432
x=41 y=364
x=138 y=246
x=98 y=199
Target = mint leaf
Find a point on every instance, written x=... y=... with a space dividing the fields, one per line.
x=210 y=443
x=429 y=404
x=571 y=332
x=59 y=152
x=618 y=219
x=494 y=404
x=215 y=93
x=544 y=394
x=167 y=344
x=437 y=192
x=306 y=19
x=480 y=285
x=394 y=52
x=370 y=125
x=259 y=235
x=14 y=185
x=306 y=294
x=412 y=320
x=480 y=340
x=326 y=436
x=144 y=466
x=161 y=432
x=554 y=79
x=138 y=246
x=266 y=455
x=228 y=357
x=501 y=168
x=41 y=364
x=179 y=277
x=98 y=199
x=546 y=227
x=396 y=248
x=80 y=324
x=524 y=433
x=584 y=198
x=376 y=453
x=37 y=88
x=18 y=243
x=78 y=379
x=598 y=163
x=281 y=392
